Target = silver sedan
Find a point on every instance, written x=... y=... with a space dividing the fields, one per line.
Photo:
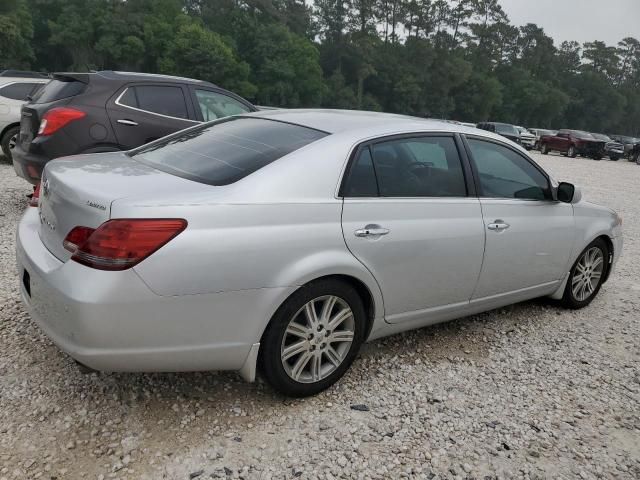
x=282 y=240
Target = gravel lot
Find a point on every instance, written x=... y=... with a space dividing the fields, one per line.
x=529 y=391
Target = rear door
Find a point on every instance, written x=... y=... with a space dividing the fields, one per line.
x=409 y=218
x=529 y=236
x=143 y=112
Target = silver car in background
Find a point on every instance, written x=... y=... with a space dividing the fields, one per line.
x=13 y=94
x=284 y=239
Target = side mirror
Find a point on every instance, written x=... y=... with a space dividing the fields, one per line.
x=568 y=193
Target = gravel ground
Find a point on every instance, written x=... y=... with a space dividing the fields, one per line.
x=529 y=391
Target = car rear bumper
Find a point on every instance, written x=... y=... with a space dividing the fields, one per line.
x=112 y=321
x=28 y=165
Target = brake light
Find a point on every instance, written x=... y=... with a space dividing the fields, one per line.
x=58 y=117
x=76 y=238
x=120 y=244
x=35 y=196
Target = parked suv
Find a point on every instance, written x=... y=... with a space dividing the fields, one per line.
x=504 y=129
x=613 y=149
x=527 y=139
x=110 y=111
x=14 y=92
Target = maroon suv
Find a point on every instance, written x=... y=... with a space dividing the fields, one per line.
x=572 y=143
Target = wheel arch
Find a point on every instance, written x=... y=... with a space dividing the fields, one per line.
x=11 y=125
x=367 y=289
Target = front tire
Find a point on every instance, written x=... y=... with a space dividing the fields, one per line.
x=572 y=152
x=544 y=149
x=586 y=275
x=313 y=338
x=9 y=140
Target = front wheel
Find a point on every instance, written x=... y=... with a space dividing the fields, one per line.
x=572 y=152
x=587 y=275
x=614 y=158
x=313 y=338
x=544 y=149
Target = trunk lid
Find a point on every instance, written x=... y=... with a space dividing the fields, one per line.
x=78 y=191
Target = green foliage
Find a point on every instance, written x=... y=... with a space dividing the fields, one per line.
x=16 y=33
x=443 y=58
x=200 y=53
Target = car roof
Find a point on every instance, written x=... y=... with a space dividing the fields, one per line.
x=130 y=77
x=5 y=80
x=343 y=121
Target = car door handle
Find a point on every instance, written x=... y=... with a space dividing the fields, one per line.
x=124 y=121
x=371 y=230
x=498 y=225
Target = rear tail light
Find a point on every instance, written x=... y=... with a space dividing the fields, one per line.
x=58 y=117
x=35 y=196
x=121 y=244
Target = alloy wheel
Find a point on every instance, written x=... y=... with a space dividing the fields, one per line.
x=587 y=274
x=317 y=339
x=13 y=141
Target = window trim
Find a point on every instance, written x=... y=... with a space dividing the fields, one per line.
x=462 y=155
x=186 y=103
x=476 y=174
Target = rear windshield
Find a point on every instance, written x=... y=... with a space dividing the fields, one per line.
x=57 y=90
x=228 y=150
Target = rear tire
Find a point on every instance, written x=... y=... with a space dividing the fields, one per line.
x=303 y=350
x=9 y=140
x=544 y=149
x=614 y=158
x=586 y=275
x=572 y=152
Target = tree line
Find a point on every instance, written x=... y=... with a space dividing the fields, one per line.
x=456 y=59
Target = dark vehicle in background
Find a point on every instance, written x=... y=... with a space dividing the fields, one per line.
x=614 y=150
x=109 y=111
x=505 y=129
x=572 y=143
x=628 y=142
x=538 y=133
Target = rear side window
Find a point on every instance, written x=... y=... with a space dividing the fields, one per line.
x=165 y=100
x=362 y=177
x=226 y=151
x=58 y=89
x=18 y=91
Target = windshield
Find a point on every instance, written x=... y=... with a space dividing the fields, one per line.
x=506 y=129
x=583 y=135
x=227 y=150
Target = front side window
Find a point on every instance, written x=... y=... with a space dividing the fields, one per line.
x=226 y=151
x=18 y=91
x=215 y=105
x=162 y=99
x=506 y=174
x=418 y=167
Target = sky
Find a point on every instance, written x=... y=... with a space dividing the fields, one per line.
x=580 y=20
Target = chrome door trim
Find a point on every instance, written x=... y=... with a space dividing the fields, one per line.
x=117 y=102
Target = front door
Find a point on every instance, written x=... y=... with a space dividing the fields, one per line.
x=407 y=217
x=529 y=236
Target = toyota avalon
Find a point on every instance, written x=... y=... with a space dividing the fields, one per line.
x=279 y=241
